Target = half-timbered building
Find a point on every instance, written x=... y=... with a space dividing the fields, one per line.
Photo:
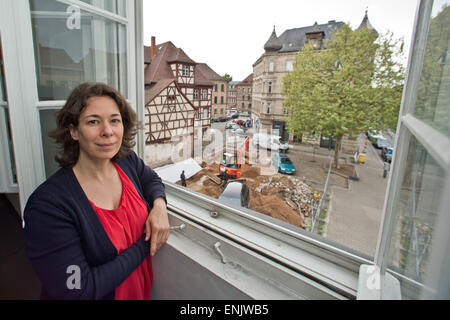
x=177 y=97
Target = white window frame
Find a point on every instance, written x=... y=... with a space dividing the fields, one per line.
x=437 y=145
x=185 y=69
x=21 y=82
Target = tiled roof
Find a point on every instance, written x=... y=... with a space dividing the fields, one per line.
x=365 y=23
x=273 y=44
x=156 y=89
x=247 y=81
x=209 y=73
x=295 y=39
x=159 y=67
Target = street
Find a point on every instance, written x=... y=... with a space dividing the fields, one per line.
x=355 y=213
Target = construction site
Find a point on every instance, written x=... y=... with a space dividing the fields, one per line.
x=295 y=199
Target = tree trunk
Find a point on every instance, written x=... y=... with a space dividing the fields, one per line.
x=336 y=151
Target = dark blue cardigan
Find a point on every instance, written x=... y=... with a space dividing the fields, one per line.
x=62 y=230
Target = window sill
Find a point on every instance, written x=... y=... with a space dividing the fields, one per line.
x=291 y=252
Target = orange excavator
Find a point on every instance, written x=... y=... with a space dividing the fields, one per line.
x=230 y=166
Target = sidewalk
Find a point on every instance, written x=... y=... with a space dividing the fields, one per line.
x=355 y=214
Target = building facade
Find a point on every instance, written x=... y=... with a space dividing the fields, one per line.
x=219 y=92
x=244 y=91
x=269 y=70
x=178 y=100
x=231 y=95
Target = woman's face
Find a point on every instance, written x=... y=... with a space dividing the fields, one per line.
x=100 y=129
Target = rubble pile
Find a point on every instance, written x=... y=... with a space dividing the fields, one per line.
x=297 y=194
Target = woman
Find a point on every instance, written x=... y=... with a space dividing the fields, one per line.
x=88 y=226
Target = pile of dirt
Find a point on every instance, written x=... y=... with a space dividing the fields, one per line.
x=294 y=197
x=281 y=197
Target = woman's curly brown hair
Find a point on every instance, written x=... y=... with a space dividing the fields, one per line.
x=70 y=114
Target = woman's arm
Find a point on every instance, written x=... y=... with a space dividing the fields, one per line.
x=157 y=226
x=54 y=247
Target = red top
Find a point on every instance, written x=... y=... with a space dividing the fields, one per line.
x=124 y=226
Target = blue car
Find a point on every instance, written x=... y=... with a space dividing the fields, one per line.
x=283 y=163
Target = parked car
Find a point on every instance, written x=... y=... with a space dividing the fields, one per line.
x=239 y=122
x=222 y=119
x=232 y=125
x=236 y=192
x=235 y=116
x=283 y=163
x=270 y=142
x=239 y=131
x=377 y=139
x=386 y=153
x=381 y=143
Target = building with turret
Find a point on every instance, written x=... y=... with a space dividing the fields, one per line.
x=277 y=60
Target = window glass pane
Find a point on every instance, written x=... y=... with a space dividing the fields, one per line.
x=2 y=89
x=10 y=146
x=75 y=47
x=433 y=100
x=416 y=213
x=114 y=6
x=48 y=123
x=343 y=204
x=7 y=123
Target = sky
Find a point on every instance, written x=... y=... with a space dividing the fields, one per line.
x=230 y=35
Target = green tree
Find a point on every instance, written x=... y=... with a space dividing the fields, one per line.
x=353 y=85
x=228 y=77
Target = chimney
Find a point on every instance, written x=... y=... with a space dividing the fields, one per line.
x=153 y=48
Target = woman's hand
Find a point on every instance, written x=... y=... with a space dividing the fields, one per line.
x=157 y=226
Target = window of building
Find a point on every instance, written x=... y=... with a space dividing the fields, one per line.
x=417 y=207
x=268 y=108
x=195 y=94
x=8 y=179
x=87 y=46
x=204 y=94
x=91 y=49
x=221 y=99
x=315 y=38
x=289 y=65
x=185 y=70
x=269 y=90
x=215 y=99
x=222 y=87
x=215 y=88
x=116 y=7
x=270 y=66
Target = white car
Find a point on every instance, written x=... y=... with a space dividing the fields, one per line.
x=271 y=142
x=232 y=125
